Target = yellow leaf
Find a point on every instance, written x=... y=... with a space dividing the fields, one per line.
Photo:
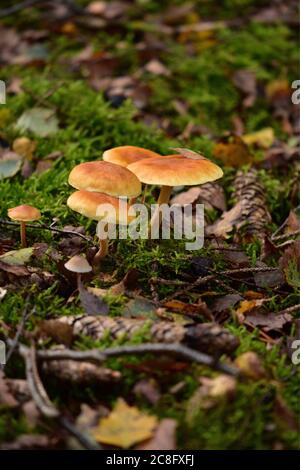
x=24 y=147
x=263 y=138
x=125 y=426
x=248 y=305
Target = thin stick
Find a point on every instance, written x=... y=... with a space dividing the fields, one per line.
x=286 y=235
x=156 y=348
x=14 y=344
x=43 y=402
x=51 y=229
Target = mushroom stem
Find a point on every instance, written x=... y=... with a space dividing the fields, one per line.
x=23 y=234
x=78 y=276
x=163 y=198
x=102 y=252
x=103 y=242
x=144 y=194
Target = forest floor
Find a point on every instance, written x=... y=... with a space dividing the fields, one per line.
x=213 y=77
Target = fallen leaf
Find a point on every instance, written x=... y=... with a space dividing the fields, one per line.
x=210 y=194
x=187 y=153
x=10 y=164
x=92 y=304
x=125 y=426
x=225 y=224
x=233 y=152
x=17 y=257
x=269 y=321
x=251 y=365
x=211 y=391
x=193 y=309
x=140 y=307
x=225 y=302
x=24 y=147
x=40 y=121
x=14 y=269
x=263 y=138
x=248 y=305
x=164 y=437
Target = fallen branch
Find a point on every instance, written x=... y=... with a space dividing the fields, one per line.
x=43 y=402
x=154 y=348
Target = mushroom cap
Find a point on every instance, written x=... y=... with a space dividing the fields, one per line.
x=127 y=154
x=24 y=213
x=78 y=264
x=89 y=204
x=176 y=170
x=105 y=177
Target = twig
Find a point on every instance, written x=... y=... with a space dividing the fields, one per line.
x=291 y=309
x=18 y=7
x=35 y=385
x=286 y=235
x=43 y=402
x=24 y=318
x=211 y=277
x=30 y=3
x=157 y=348
x=50 y=229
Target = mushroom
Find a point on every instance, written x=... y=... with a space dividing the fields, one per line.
x=174 y=170
x=105 y=177
x=79 y=265
x=127 y=154
x=23 y=214
x=89 y=204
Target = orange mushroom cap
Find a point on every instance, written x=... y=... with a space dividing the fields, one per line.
x=176 y=170
x=105 y=177
x=127 y=154
x=24 y=213
x=89 y=204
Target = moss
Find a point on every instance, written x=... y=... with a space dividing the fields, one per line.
x=200 y=76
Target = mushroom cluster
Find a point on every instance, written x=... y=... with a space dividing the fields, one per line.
x=103 y=184
x=121 y=173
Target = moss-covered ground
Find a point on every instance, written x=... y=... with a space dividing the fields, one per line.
x=89 y=123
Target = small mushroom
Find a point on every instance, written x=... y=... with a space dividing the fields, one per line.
x=89 y=204
x=23 y=214
x=79 y=265
x=174 y=170
x=127 y=154
x=105 y=177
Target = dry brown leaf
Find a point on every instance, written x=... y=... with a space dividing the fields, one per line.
x=187 y=153
x=125 y=426
x=234 y=152
x=164 y=437
x=225 y=224
x=192 y=309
